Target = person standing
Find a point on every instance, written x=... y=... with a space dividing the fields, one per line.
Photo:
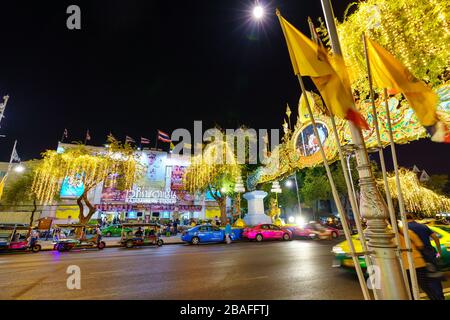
x=98 y=233
x=228 y=232
x=175 y=227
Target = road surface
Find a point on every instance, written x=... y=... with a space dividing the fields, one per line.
x=298 y=269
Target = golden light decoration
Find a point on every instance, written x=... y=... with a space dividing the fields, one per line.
x=417 y=198
x=217 y=160
x=88 y=166
x=416 y=32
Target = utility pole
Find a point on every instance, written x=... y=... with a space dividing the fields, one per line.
x=382 y=249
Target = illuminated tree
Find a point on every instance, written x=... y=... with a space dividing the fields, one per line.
x=215 y=171
x=418 y=198
x=19 y=191
x=416 y=32
x=86 y=166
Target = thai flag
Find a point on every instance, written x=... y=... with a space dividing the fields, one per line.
x=129 y=139
x=145 y=141
x=163 y=136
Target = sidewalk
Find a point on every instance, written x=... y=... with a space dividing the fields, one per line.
x=113 y=242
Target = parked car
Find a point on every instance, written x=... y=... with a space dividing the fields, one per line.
x=267 y=232
x=114 y=230
x=205 y=233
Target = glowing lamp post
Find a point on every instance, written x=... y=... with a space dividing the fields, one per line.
x=258 y=12
x=239 y=188
x=19 y=168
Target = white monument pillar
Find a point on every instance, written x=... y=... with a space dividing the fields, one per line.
x=256 y=213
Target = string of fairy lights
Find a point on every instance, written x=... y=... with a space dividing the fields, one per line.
x=416 y=32
x=80 y=164
x=417 y=198
x=217 y=160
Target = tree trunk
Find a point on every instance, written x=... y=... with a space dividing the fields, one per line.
x=223 y=209
x=33 y=212
x=81 y=217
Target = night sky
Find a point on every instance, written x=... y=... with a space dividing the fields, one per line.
x=137 y=66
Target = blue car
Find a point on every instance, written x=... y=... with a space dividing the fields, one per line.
x=205 y=233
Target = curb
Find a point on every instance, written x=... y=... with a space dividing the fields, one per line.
x=119 y=246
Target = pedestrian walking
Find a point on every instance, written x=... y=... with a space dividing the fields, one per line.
x=429 y=254
x=228 y=232
x=425 y=233
x=431 y=286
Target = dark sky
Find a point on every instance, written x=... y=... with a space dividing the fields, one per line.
x=137 y=66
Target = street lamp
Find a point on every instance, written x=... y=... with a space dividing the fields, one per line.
x=239 y=188
x=19 y=168
x=289 y=184
x=258 y=12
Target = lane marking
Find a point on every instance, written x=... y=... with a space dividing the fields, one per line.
x=102 y=272
x=253 y=278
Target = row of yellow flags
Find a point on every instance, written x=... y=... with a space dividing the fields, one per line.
x=330 y=76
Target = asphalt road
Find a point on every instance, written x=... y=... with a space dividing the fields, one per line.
x=299 y=269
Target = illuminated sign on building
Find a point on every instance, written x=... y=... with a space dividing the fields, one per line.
x=72 y=187
x=141 y=195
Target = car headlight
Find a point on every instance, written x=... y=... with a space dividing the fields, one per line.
x=337 y=250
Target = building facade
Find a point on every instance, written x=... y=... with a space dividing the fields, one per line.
x=158 y=196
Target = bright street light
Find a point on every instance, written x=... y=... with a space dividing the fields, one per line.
x=288 y=183
x=258 y=12
x=300 y=221
x=19 y=168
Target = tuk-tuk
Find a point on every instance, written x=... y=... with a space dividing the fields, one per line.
x=77 y=236
x=15 y=237
x=142 y=234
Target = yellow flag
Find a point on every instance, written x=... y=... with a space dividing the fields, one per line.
x=328 y=73
x=388 y=72
x=2 y=186
x=302 y=107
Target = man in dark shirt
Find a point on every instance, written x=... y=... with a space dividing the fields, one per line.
x=433 y=277
x=425 y=233
x=139 y=233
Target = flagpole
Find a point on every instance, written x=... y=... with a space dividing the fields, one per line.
x=2 y=111
x=337 y=200
x=12 y=157
x=350 y=187
x=372 y=205
x=415 y=287
x=383 y=169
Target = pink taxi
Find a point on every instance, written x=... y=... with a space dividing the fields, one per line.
x=267 y=232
